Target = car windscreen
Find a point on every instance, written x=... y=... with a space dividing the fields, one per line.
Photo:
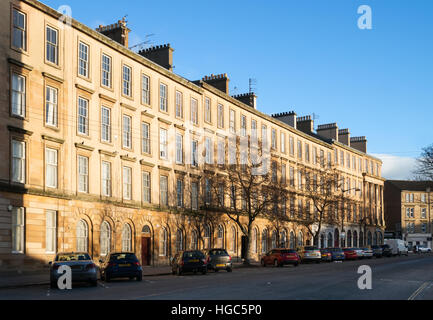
x=193 y=255
x=123 y=257
x=218 y=252
x=73 y=257
x=311 y=248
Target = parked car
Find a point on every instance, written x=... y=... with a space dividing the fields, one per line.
x=386 y=250
x=280 y=257
x=189 y=261
x=309 y=253
x=377 y=251
x=120 y=265
x=398 y=246
x=359 y=253
x=367 y=253
x=82 y=266
x=218 y=259
x=326 y=255
x=337 y=254
x=423 y=249
x=350 y=254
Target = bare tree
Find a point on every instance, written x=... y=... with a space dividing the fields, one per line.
x=424 y=167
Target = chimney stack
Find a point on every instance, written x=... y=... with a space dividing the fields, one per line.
x=220 y=81
x=247 y=98
x=305 y=124
x=359 y=143
x=344 y=136
x=162 y=55
x=286 y=117
x=328 y=131
x=118 y=32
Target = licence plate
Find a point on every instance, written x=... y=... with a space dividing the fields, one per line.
x=220 y=265
x=125 y=265
x=193 y=260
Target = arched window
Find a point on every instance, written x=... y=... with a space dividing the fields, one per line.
x=254 y=240
x=300 y=239
x=322 y=241
x=355 y=238
x=361 y=238
x=330 y=240
x=369 y=238
x=292 y=240
x=105 y=240
x=220 y=236
x=179 y=240
x=274 y=239
x=207 y=236
x=349 y=238
x=283 y=239
x=375 y=238
x=82 y=236
x=264 y=241
x=126 y=238
x=163 y=237
x=380 y=239
x=194 y=240
x=233 y=242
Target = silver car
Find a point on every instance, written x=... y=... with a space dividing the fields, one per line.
x=367 y=253
x=359 y=253
x=82 y=266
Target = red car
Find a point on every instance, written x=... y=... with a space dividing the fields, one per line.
x=280 y=257
x=350 y=254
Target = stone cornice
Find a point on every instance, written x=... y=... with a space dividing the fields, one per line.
x=52 y=77
x=53 y=139
x=20 y=64
x=109 y=99
x=83 y=146
x=20 y=130
x=108 y=153
x=83 y=88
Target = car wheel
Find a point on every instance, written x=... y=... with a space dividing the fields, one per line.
x=229 y=269
x=263 y=263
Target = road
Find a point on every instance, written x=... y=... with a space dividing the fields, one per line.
x=402 y=278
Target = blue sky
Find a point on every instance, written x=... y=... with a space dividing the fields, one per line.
x=307 y=56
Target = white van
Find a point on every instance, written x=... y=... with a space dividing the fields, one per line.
x=398 y=247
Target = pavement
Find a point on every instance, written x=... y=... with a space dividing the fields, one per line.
x=15 y=279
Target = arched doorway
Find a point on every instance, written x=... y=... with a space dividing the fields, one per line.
x=322 y=241
x=349 y=238
x=336 y=238
x=146 y=246
x=361 y=238
x=369 y=238
x=355 y=238
x=375 y=238
x=330 y=240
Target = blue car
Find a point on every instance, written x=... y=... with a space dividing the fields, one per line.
x=121 y=265
x=337 y=254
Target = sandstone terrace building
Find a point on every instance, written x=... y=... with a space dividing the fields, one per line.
x=97 y=138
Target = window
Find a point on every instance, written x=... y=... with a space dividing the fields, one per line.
x=299 y=179
x=232 y=123
x=51 y=107
x=105 y=238
x=335 y=156
x=106 y=179
x=221 y=152
x=163 y=97
x=423 y=197
x=51 y=231
x=409 y=212
x=314 y=155
x=299 y=149
x=194 y=196
x=145 y=89
x=83 y=59
x=18 y=161
x=52 y=53
x=207 y=110
x=194 y=153
x=423 y=227
x=126 y=84
x=127 y=183
x=163 y=187
x=51 y=168
x=283 y=142
x=82 y=236
x=274 y=139
x=126 y=238
x=423 y=213
x=274 y=172
x=264 y=241
x=83 y=116
x=220 y=116
x=126 y=132
x=322 y=158
x=146 y=186
x=163 y=238
x=291 y=146
x=145 y=137
x=254 y=131
x=179 y=193
x=208 y=192
x=106 y=71
x=18 y=95
x=243 y=126
x=264 y=137
x=292 y=176
x=208 y=150
x=194 y=111
x=342 y=158
x=19 y=33
x=347 y=160
x=163 y=144
x=329 y=160
x=105 y=124
x=179 y=148
x=18 y=226
x=283 y=174
x=83 y=174
x=179 y=104
x=179 y=240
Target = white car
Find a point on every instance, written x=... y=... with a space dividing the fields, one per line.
x=367 y=253
x=424 y=249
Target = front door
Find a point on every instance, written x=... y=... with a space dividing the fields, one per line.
x=145 y=251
